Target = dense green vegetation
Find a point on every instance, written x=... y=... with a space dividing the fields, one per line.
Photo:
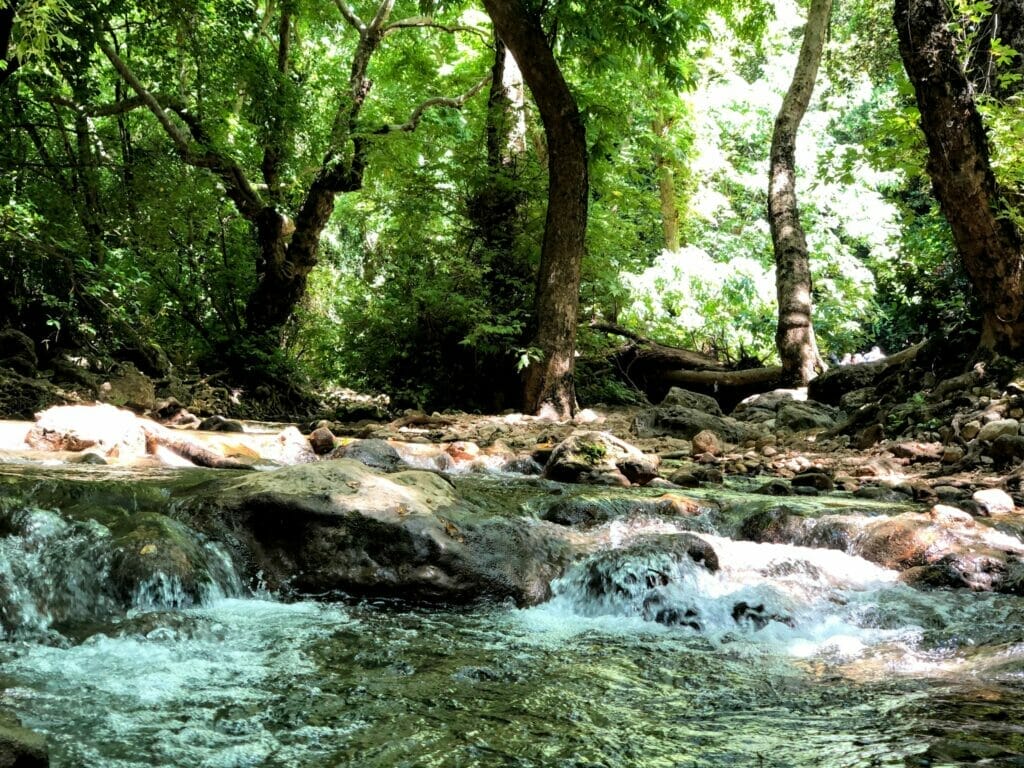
x=311 y=192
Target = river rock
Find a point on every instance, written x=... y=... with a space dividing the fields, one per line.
x=993 y=501
x=587 y=511
x=1006 y=450
x=111 y=431
x=994 y=429
x=19 y=746
x=805 y=416
x=321 y=440
x=600 y=458
x=378 y=454
x=220 y=424
x=340 y=525
x=695 y=400
x=681 y=422
x=160 y=562
x=637 y=579
x=706 y=441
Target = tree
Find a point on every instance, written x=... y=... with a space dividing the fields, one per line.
x=794 y=336
x=287 y=246
x=549 y=386
x=983 y=227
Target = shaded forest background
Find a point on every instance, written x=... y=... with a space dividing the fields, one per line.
x=301 y=196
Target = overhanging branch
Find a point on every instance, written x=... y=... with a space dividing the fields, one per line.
x=438 y=101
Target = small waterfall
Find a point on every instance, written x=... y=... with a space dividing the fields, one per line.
x=56 y=571
x=801 y=600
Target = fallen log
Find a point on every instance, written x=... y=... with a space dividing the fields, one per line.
x=197 y=454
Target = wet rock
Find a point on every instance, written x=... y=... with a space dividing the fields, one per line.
x=775 y=525
x=593 y=511
x=522 y=465
x=706 y=441
x=110 y=431
x=637 y=579
x=993 y=501
x=321 y=440
x=220 y=424
x=158 y=561
x=899 y=542
x=378 y=454
x=757 y=616
x=19 y=746
x=601 y=458
x=688 y=399
x=340 y=525
x=462 y=450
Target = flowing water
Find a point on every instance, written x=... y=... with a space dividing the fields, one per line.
x=784 y=657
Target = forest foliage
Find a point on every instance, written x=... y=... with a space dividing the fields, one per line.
x=114 y=246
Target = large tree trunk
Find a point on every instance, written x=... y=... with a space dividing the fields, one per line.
x=667 y=188
x=962 y=177
x=549 y=384
x=794 y=336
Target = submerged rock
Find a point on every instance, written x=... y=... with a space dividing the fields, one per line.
x=339 y=525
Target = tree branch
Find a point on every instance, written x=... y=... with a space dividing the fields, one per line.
x=237 y=186
x=180 y=139
x=350 y=16
x=438 y=101
x=383 y=12
x=426 y=21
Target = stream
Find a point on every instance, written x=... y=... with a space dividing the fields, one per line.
x=785 y=656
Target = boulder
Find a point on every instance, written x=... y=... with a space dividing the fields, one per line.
x=111 y=431
x=128 y=387
x=600 y=458
x=997 y=428
x=682 y=422
x=378 y=454
x=588 y=511
x=1004 y=450
x=993 y=501
x=805 y=416
x=688 y=399
x=338 y=525
x=19 y=746
x=18 y=352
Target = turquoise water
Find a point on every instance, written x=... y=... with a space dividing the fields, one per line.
x=844 y=667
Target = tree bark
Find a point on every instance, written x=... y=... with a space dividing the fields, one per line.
x=794 y=336
x=667 y=189
x=962 y=178
x=549 y=387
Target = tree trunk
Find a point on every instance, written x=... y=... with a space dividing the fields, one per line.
x=962 y=177
x=794 y=336
x=549 y=386
x=667 y=189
